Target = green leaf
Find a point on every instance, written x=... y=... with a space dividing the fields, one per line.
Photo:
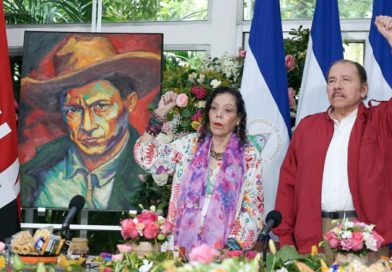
x=186 y=113
x=287 y=253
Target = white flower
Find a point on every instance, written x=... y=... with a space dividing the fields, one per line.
x=215 y=83
x=348 y=224
x=370 y=242
x=191 y=77
x=160 y=179
x=147 y=265
x=283 y=269
x=347 y=234
x=337 y=231
x=201 y=78
x=369 y=228
x=201 y=104
x=175 y=122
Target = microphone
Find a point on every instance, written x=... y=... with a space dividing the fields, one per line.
x=75 y=205
x=273 y=219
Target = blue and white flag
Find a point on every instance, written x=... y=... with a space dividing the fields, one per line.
x=378 y=58
x=264 y=88
x=324 y=48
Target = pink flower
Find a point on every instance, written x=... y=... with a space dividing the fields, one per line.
x=182 y=100
x=142 y=178
x=199 y=92
x=197 y=116
x=332 y=239
x=203 y=254
x=242 y=53
x=357 y=241
x=378 y=238
x=151 y=231
x=117 y=257
x=2 y=247
x=124 y=248
x=347 y=244
x=250 y=255
x=290 y=63
x=128 y=229
x=234 y=253
x=147 y=217
x=107 y=269
x=167 y=227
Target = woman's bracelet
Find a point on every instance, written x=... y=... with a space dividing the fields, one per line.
x=232 y=244
x=155 y=125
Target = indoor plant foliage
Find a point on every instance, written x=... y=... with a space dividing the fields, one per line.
x=130 y=261
x=296 y=45
x=193 y=79
x=353 y=237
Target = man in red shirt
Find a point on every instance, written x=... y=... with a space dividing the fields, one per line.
x=339 y=163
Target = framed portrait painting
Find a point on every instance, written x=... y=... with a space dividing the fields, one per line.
x=84 y=102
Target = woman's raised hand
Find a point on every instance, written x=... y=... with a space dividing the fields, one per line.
x=166 y=104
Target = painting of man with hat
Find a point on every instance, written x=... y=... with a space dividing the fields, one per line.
x=84 y=101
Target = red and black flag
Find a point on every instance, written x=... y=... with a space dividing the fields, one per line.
x=9 y=164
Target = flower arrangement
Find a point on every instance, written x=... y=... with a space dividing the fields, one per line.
x=147 y=226
x=296 y=45
x=205 y=258
x=193 y=79
x=353 y=237
x=130 y=261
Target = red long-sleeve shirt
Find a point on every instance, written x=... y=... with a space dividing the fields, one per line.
x=369 y=174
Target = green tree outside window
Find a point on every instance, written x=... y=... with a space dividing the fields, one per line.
x=80 y=11
x=303 y=9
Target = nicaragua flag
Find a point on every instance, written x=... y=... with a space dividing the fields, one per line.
x=264 y=88
x=324 y=48
x=9 y=164
x=378 y=58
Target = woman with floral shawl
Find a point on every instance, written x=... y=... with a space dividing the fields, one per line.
x=217 y=191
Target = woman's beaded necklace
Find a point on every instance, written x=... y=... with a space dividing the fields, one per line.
x=217 y=156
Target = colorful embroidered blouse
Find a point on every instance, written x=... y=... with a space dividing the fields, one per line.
x=174 y=159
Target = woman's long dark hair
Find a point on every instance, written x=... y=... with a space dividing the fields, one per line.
x=241 y=112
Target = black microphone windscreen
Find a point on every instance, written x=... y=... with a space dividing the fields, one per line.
x=276 y=216
x=77 y=201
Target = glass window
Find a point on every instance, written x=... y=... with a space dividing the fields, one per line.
x=47 y=12
x=303 y=9
x=79 y=11
x=153 y=10
x=354 y=50
x=350 y=9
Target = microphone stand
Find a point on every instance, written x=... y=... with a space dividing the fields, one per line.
x=67 y=234
x=264 y=243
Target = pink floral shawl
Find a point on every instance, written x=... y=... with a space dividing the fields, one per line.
x=221 y=212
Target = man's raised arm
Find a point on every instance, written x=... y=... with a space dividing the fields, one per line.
x=384 y=26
